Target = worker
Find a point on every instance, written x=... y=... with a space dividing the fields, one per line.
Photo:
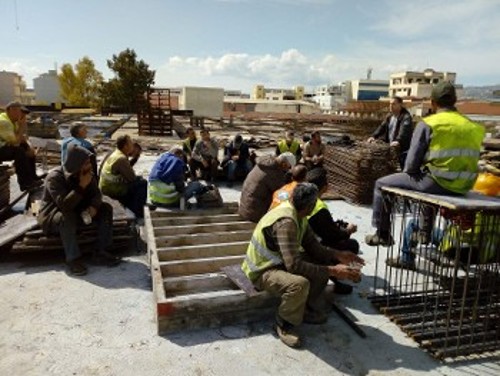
x=284 y=258
x=118 y=179
x=289 y=143
x=70 y=198
x=188 y=144
x=269 y=174
x=14 y=145
x=167 y=183
x=78 y=134
x=299 y=173
x=314 y=151
x=236 y=159
x=396 y=129
x=205 y=157
x=442 y=160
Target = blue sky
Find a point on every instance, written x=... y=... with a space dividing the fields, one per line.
x=236 y=44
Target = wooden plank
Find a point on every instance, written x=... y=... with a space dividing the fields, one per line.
x=228 y=208
x=193 y=239
x=174 y=221
x=471 y=201
x=203 y=228
x=15 y=227
x=197 y=266
x=236 y=275
x=175 y=286
x=202 y=251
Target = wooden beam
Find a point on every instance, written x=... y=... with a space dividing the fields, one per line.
x=158 y=222
x=197 y=266
x=203 y=228
x=193 y=239
x=176 y=286
x=202 y=251
x=229 y=208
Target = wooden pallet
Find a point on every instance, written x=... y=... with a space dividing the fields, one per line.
x=187 y=250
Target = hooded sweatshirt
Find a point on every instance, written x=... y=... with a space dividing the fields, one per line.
x=259 y=186
x=62 y=192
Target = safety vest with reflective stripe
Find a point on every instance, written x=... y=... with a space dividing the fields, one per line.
x=109 y=183
x=319 y=206
x=259 y=257
x=293 y=148
x=484 y=235
x=163 y=193
x=454 y=150
x=7 y=130
x=283 y=194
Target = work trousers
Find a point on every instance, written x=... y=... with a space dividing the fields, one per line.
x=136 y=196
x=24 y=164
x=232 y=166
x=296 y=292
x=382 y=207
x=208 y=173
x=68 y=224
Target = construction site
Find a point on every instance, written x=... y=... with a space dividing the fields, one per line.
x=175 y=306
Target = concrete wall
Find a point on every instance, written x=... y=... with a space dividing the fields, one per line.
x=204 y=101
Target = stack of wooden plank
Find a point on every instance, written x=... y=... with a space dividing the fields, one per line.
x=353 y=170
x=187 y=250
x=4 y=186
x=35 y=240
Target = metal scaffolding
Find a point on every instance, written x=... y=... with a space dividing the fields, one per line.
x=440 y=281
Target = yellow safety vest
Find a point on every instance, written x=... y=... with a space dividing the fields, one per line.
x=259 y=257
x=163 y=193
x=454 y=150
x=319 y=205
x=7 y=130
x=187 y=143
x=293 y=148
x=112 y=184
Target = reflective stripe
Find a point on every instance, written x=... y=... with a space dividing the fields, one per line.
x=266 y=253
x=448 y=153
x=163 y=195
x=453 y=175
x=112 y=178
x=251 y=265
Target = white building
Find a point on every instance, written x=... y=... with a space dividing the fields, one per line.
x=419 y=85
x=47 y=88
x=330 y=97
x=13 y=88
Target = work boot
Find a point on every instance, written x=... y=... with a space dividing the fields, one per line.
x=76 y=268
x=377 y=239
x=287 y=335
x=398 y=262
x=106 y=259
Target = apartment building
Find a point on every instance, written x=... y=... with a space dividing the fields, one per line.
x=47 y=88
x=280 y=94
x=13 y=88
x=418 y=85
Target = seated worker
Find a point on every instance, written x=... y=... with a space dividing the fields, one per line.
x=14 y=145
x=71 y=197
x=396 y=129
x=290 y=144
x=314 y=151
x=285 y=259
x=333 y=234
x=78 y=132
x=118 y=179
x=236 y=158
x=204 y=157
x=269 y=174
x=167 y=180
x=188 y=144
x=283 y=194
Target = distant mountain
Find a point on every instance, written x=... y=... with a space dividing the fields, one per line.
x=482 y=92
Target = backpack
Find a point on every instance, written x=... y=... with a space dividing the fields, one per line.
x=210 y=198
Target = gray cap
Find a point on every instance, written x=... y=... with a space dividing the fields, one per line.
x=17 y=104
x=444 y=93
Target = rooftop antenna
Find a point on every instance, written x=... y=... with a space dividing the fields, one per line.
x=369 y=73
x=15 y=12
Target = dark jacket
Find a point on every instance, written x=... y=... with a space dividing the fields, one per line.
x=62 y=193
x=229 y=151
x=258 y=188
x=404 y=129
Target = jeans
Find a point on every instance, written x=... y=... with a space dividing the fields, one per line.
x=69 y=223
x=135 y=199
x=412 y=228
x=24 y=164
x=232 y=166
x=193 y=188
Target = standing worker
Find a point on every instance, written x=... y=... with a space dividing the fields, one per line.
x=314 y=151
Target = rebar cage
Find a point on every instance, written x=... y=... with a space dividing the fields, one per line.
x=440 y=280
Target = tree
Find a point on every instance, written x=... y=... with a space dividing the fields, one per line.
x=81 y=85
x=132 y=79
